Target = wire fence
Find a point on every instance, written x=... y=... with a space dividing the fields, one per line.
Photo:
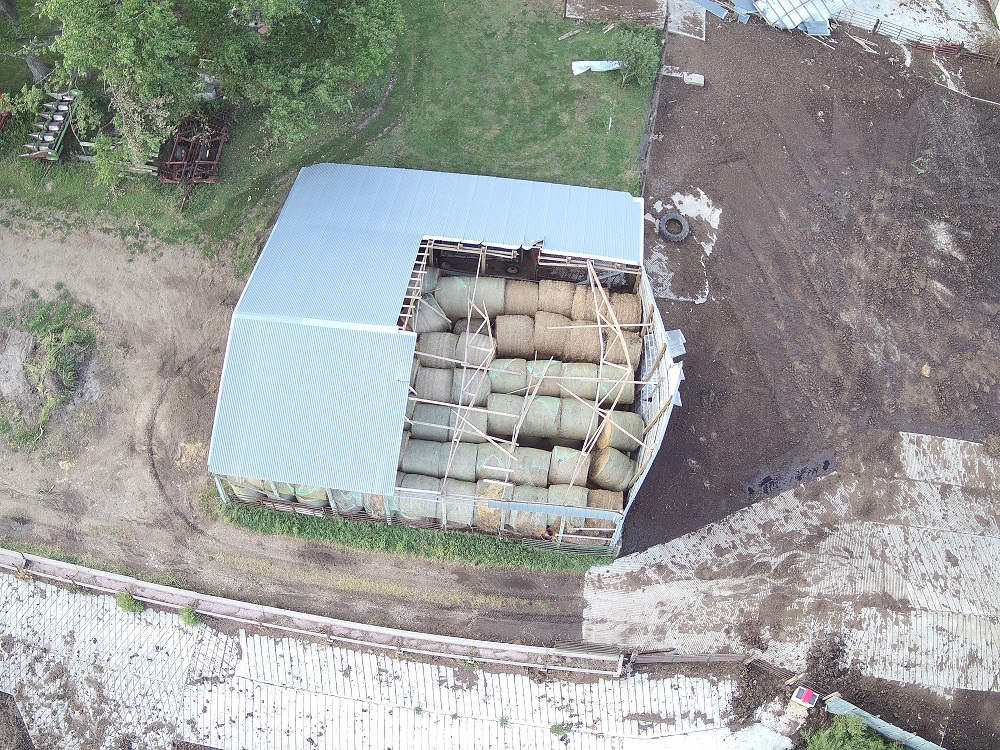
x=939 y=45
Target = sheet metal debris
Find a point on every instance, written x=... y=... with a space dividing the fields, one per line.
x=600 y=66
x=812 y=17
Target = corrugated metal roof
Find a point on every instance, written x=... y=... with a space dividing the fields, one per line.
x=314 y=383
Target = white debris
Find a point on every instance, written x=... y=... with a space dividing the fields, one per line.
x=697 y=207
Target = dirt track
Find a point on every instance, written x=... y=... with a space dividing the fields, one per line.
x=119 y=476
x=853 y=284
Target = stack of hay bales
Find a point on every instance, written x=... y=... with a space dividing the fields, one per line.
x=498 y=358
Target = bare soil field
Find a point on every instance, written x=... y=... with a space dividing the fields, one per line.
x=121 y=474
x=854 y=282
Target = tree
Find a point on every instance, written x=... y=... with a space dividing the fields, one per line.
x=17 y=41
x=847 y=733
x=639 y=56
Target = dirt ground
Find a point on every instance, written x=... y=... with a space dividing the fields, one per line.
x=853 y=283
x=120 y=473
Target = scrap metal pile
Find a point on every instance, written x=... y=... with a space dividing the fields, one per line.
x=195 y=153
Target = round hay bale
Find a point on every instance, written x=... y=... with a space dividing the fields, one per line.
x=549 y=336
x=488 y=519
x=249 y=490
x=508 y=375
x=414 y=369
x=418 y=498
x=468 y=425
x=604 y=500
x=515 y=336
x=556 y=297
x=434 y=384
x=584 y=306
x=526 y=493
x=527 y=522
x=458 y=294
x=614 y=352
x=504 y=411
x=410 y=406
x=542 y=419
x=609 y=389
x=422 y=457
x=576 y=420
x=314 y=497
x=437 y=349
x=430 y=317
x=430 y=422
x=463 y=461
x=627 y=307
x=347 y=502
x=579 y=378
x=582 y=344
x=283 y=490
x=566 y=497
x=520 y=298
x=431 y=276
x=475 y=349
x=375 y=505
x=470 y=387
x=569 y=466
x=543 y=374
x=461 y=325
x=493 y=463
x=610 y=469
x=530 y=466
x=618 y=431
x=460 y=504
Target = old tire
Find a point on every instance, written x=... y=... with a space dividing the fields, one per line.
x=672 y=233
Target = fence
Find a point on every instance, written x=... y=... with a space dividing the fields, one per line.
x=876 y=25
x=838 y=706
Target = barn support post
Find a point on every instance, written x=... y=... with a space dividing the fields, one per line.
x=218 y=487
x=617 y=537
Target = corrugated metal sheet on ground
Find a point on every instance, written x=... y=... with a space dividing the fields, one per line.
x=841 y=707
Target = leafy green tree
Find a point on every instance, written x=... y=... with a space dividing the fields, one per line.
x=18 y=39
x=639 y=55
x=847 y=733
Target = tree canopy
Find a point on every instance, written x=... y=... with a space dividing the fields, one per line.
x=290 y=60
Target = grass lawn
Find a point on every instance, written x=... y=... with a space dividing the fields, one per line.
x=480 y=87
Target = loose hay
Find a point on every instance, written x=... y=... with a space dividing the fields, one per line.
x=627 y=307
x=604 y=500
x=488 y=519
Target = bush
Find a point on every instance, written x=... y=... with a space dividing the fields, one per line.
x=847 y=733
x=639 y=55
x=189 y=616
x=561 y=730
x=129 y=603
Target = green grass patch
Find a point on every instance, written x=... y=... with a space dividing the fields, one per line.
x=479 y=87
x=64 y=341
x=451 y=546
x=128 y=603
x=189 y=616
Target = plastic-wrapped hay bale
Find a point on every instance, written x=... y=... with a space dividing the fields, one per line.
x=579 y=378
x=488 y=519
x=403 y=442
x=583 y=343
x=609 y=388
x=569 y=466
x=568 y=497
x=584 y=304
x=430 y=280
x=615 y=353
x=459 y=500
x=430 y=422
x=434 y=384
x=515 y=336
x=543 y=374
x=549 y=337
x=556 y=297
x=251 y=492
x=504 y=413
x=414 y=369
x=430 y=317
x=604 y=500
x=437 y=349
x=542 y=419
x=470 y=387
x=422 y=457
x=418 y=496
x=527 y=522
x=375 y=505
x=348 y=502
x=530 y=466
x=610 y=469
x=314 y=497
x=526 y=493
x=455 y=294
x=468 y=425
x=508 y=375
x=520 y=298
x=577 y=420
x=618 y=431
x=475 y=349
x=463 y=458
x=283 y=490
x=493 y=463
x=627 y=307
x=461 y=326
x=410 y=406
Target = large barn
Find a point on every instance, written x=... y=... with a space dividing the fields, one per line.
x=449 y=351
